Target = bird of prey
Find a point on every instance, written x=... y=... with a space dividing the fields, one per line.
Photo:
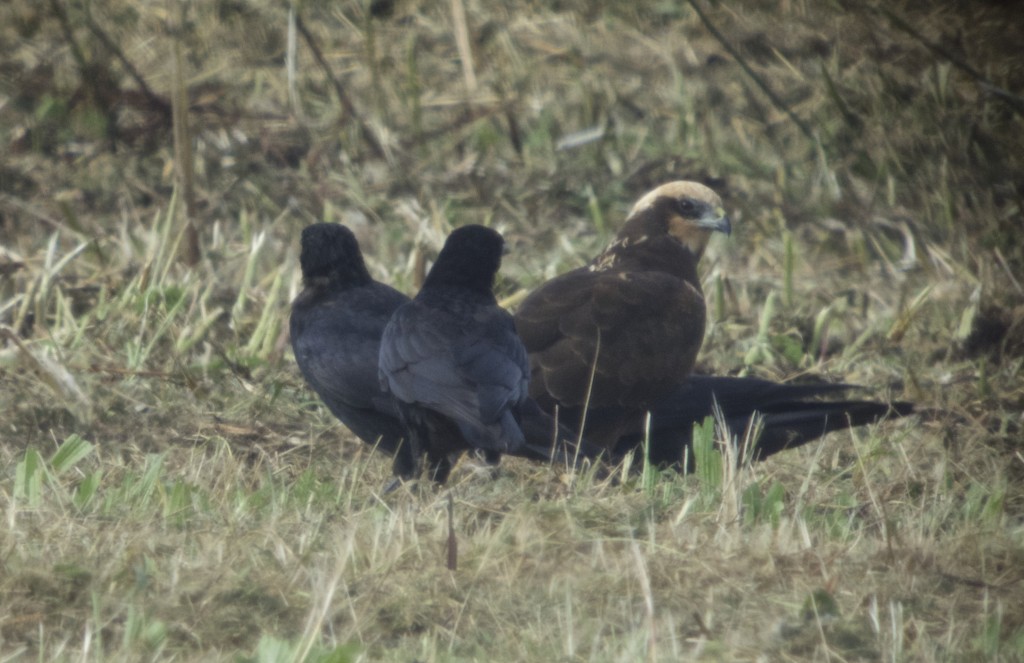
x=336 y=324
x=615 y=336
x=454 y=364
x=791 y=415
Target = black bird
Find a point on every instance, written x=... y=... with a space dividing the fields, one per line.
x=336 y=324
x=792 y=415
x=453 y=362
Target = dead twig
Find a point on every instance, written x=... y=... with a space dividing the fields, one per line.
x=371 y=139
x=1015 y=102
x=156 y=100
x=754 y=76
x=184 y=164
x=462 y=43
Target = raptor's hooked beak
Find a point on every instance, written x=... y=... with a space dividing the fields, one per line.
x=715 y=220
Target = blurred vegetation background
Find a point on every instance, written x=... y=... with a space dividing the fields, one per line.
x=174 y=491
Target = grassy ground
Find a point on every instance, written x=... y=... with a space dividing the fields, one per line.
x=173 y=491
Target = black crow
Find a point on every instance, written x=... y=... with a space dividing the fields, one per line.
x=453 y=361
x=336 y=324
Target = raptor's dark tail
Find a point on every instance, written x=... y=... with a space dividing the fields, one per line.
x=792 y=415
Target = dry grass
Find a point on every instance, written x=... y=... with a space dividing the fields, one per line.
x=173 y=491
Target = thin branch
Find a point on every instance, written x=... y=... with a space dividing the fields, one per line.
x=184 y=163
x=69 y=35
x=156 y=100
x=758 y=80
x=462 y=43
x=364 y=128
x=1014 y=101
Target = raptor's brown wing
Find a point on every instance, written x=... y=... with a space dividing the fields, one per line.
x=644 y=328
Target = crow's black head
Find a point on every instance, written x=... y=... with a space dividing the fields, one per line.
x=470 y=259
x=330 y=251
